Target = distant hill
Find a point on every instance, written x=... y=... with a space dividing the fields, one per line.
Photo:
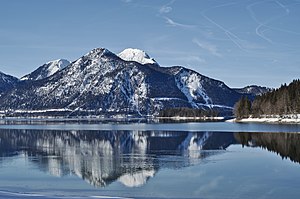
x=253 y=90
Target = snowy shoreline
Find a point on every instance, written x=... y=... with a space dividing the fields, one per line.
x=112 y=118
x=285 y=119
x=178 y=118
x=274 y=119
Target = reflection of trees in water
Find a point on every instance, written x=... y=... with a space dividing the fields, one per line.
x=287 y=145
x=102 y=157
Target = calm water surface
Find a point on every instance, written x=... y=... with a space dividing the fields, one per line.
x=188 y=160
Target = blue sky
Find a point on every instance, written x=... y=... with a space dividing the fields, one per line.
x=239 y=42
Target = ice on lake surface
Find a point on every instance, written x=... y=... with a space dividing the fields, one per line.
x=41 y=162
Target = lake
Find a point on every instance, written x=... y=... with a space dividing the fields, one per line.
x=148 y=160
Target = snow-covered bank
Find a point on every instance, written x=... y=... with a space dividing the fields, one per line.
x=178 y=118
x=294 y=118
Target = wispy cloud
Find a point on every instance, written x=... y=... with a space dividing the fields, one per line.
x=166 y=8
x=175 y=57
x=127 y=1
x=264 y=26
x=195 y=58
x=191 y=59
x=230 y=35
x=171 y=22
x=211 y=48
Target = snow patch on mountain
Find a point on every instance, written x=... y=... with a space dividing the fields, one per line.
x=56 y=65
x=189 y=84
x=140 y=56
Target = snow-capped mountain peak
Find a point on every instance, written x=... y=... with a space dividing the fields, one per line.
x=137 y=55
x=56 y=65
x=47 y=70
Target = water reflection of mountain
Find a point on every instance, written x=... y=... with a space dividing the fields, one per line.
x=287 y=145
x=101 y=157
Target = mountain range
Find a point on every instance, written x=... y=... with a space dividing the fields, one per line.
x=103 y=83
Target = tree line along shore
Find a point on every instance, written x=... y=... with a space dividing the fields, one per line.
x=282 y=101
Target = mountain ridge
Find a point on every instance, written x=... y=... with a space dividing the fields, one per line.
x=253 y=90
x=102 y=83
x=7 y=82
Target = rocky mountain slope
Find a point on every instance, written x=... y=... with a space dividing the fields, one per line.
x=102 y=83
x=7 y=82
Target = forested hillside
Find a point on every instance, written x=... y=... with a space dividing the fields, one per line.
x=281 y=101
